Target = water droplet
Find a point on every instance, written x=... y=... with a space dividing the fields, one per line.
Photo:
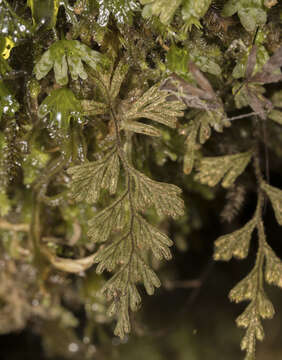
x=22 y=28
x=73 y=347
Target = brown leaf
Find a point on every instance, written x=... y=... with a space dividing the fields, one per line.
x=266 y=75
x=274 y=62
x=256 y=104
x=201 y=80
x=266 y=78
x=252 y=58
x=174 y=82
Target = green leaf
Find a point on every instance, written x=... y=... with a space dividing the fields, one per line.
x=44 y=11
x=61 y=105
x=90 y=178
x=235 y=244
x=66 y=55
x=261 y=59
x=275 y=196
x=178 y=59
x=252 y=13
x=226 y=168
x=165 y=9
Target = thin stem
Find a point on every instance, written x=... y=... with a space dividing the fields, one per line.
x=5 y=225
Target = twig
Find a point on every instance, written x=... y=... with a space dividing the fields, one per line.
x=5 y=225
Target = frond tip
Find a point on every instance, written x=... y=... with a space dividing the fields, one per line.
x=212 y=170
x=235 y=244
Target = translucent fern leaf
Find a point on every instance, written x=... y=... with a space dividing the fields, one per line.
x=246 y=289
x=90 y=178
x=91 y=107
x=135 y=233
x=235 y=244
x=116 y=253
x=141 y=128
x=153 y=105
x=109 y=82
x=250 y=319
x=117 y=79
x=273 y=267
x=66 y=55
x=164 y=197
x=121 y=289
x=62 y=105
x=165 y=9
x=152 y=238
x=115 y=216
x=226 y=168
x=275 y=196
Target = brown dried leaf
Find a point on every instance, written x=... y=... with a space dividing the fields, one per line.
x=252 y=58
x=201 y=80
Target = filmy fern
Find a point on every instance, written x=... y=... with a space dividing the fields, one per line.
x=237 y=245
x=64 y=56
x=121 y=227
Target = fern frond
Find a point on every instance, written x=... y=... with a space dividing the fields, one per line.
x=121 y=289
x=235 y=244
x=226 y=168
x=153 y=105
x=275 y=196
x=115 y=216
x=125 y=235
x=90 y=178
x=164 y=197
x=273 y=267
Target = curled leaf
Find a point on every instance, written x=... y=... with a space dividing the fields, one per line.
x=73 y=266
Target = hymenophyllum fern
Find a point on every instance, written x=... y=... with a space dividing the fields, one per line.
x=121 y=228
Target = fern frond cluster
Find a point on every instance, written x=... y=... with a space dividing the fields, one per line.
x=102 y=102
x=125 y=234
